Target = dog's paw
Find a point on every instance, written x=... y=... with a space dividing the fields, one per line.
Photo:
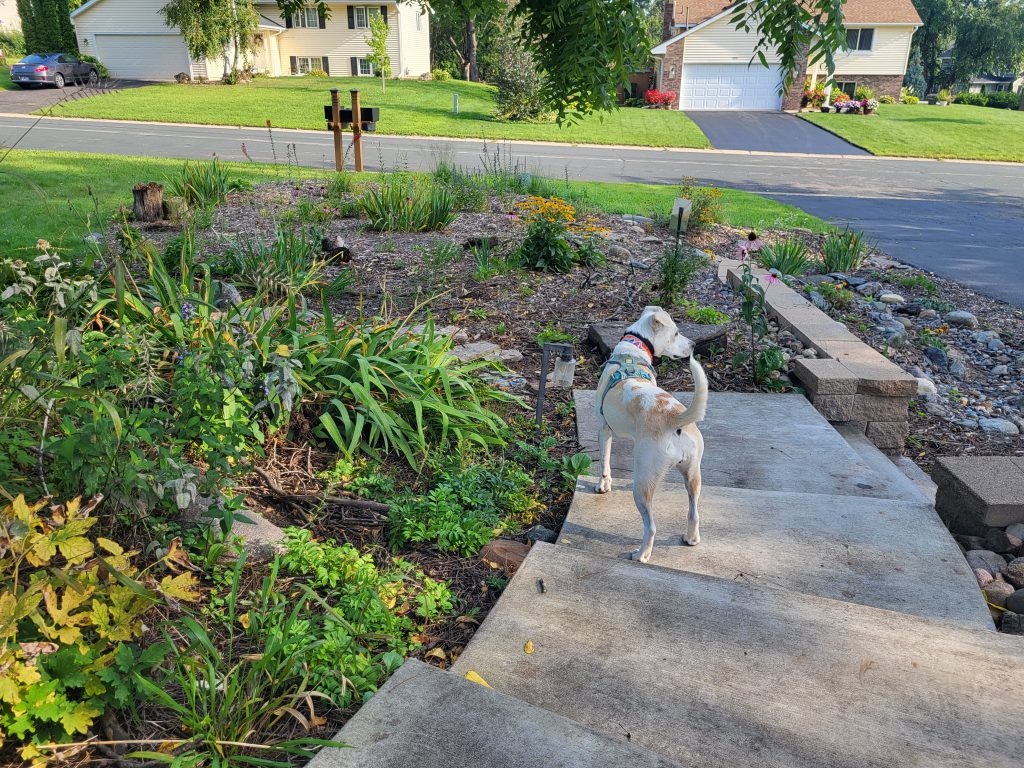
x=640 y=556
x=604 y=484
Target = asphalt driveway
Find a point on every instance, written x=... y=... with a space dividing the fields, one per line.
x=769 y=132
x=28 y=100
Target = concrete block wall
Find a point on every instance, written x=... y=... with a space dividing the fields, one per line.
x=849 y=382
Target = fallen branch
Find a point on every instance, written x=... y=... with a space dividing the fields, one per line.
x=311 y=498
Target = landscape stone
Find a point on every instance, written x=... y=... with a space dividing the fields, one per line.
x=985 y=560
x=983 y=576
x=1012 y=623
x=979 y=492
x=637 y=219
x=1000 y=370
x=881 y=408
x=226 y=295
x=891 y=298
x=540 y=533
x=1002 y=426
x=937 y=357
x=94 y=238
x=510 y=356
x=1015 y=574
x=984 y=336
x=928 y=314
x=618 y=252
x=962 y=319
x=926 y=386
x=869 y=289
x=837 y=408
x=476 y=350
x=505 y=554
x=1014 y=601
x=998 y=540
x=260 y=537
x=996 y=592
x=825 y=377
x=1017 y=529
x=958 y=369
x=888 y=435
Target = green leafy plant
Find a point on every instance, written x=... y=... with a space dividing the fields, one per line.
x=916 y=282
x=886 y=99
x=440 y=254
x=440 y=75
x=844 y=251
x=231 y=695
x=546 y=247
x=703 y=315
x=381 y=386
x=289 y=265
x=551 y=333
x=572 y=467
x=788 y=257
x=706 y=204
x=678 y=268
x=374 y=619
x=397 y=204
x=467 y=508
x=767 y=361
x=943 y=95
x=71 y=610
x=468 y=187
x=863 y=93
x=202 y=184
x=836 y=294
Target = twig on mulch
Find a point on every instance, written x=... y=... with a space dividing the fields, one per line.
x=311 y=498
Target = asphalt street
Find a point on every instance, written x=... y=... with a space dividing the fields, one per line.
x=963 y=221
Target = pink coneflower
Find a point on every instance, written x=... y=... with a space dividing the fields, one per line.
x=771 y=279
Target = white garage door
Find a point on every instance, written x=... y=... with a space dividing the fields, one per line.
x=143 y=57
x=730 y=86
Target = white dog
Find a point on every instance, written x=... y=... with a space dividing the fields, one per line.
x=664 y=432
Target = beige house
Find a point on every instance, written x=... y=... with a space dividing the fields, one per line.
x=710 y=64
x=9 y=18
x=132 y=40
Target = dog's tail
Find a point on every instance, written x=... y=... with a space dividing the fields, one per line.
x=695 y=413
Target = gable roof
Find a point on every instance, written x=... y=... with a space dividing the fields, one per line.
x=83 y=7
x=854 y=11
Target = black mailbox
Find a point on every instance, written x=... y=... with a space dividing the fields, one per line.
x=368 y=117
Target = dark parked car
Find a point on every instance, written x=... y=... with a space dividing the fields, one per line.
x=55 y=69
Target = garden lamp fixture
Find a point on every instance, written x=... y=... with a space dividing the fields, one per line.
x=561 y=377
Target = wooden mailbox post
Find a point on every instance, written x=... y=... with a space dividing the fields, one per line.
x=339 y=119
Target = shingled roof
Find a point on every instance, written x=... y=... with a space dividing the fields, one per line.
x=854 y=11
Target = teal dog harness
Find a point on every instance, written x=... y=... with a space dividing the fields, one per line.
x=629 y=367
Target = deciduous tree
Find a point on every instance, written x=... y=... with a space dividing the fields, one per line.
x=378 y=42
x=215 y=27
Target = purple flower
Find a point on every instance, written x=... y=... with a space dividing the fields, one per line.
x=188 y=311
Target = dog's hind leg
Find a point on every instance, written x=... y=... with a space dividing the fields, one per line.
x=643 y=496
x=693 y=483
x=604 y=436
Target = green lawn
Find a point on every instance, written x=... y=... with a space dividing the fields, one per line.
x=5 y=79
x=62 y=196
x=408 y=108
x=919 y=130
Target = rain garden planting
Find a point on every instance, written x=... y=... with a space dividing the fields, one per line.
x=257 y=454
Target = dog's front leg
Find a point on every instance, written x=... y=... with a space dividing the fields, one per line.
x=604 y=435
x=643 y=496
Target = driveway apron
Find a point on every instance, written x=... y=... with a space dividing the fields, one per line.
x=769 y=132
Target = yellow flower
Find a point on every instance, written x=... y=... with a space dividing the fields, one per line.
x=282 y=351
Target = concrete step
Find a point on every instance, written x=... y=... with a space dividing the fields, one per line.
x=761 y=441
x=884 y=553
x=897 y=476
x=723 y=673
x=425 y=718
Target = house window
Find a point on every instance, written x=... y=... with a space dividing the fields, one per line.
x=306 y=18
x=362 y=15
x=307 y=64
x=366 y=67
x=849 y=88
x=860 y=39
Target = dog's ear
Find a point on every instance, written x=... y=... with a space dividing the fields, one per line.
x=650 y=310
x=658 y=320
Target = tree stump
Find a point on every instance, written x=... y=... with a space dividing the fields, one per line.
x=149 y=202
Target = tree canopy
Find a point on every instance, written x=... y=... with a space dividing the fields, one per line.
x=47 y=26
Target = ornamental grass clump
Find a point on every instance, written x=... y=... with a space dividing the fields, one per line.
x=844 y=251
x=401 y=205
x=787 y=258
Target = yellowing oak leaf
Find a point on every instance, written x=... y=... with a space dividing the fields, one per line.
x=180 y=587
x=528 y=646
x=436 y=653
x=244 y=620
x=9 y=691
x=110 y=546
x=473 y=677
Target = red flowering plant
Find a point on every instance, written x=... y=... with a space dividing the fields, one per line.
x=660 y=99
